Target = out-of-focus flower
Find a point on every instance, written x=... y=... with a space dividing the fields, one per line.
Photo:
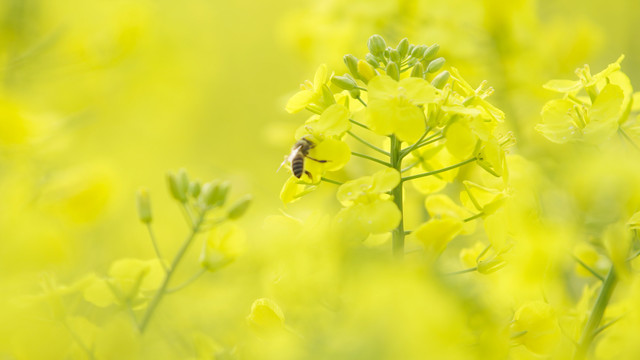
x=127 y=282
x=594 y=118
x=535 y=326
x=225 y=243
x=368 y=206
x=266 y=317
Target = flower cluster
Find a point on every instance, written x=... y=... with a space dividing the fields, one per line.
x=421 y=122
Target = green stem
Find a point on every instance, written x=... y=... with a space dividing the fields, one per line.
x=362 y=102
x=365 y=156
x=331 y=181
x=398 y=232
x=165 y=283
x=588 y=268
x=470 y=218
x=195 y=277
x=406 y=151
x=368 y=144
x=359 y=124
x=463 y=271
x=430 y=140
x=597 y=313
x=439 y=170
x=78 y=340
x=155 y=247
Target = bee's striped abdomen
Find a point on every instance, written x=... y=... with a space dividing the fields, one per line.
x=297 y=166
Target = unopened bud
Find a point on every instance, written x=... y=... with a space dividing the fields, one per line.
x=403 y=47
x=440 y=80
x=376 y=45
x=344 y=82
x=394 y=55
x=418 y=51
x=194 y=189
x=355 y=93
x=366 y=71
x=239 y=207
x=393 y=71
x=435 y=65
x=418 y=71
x=352 y=64
x=214 y=193
x=177 y=191
x=143 y=204
x=431 y=52
x=372 y=60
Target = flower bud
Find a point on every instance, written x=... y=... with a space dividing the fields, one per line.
x=431 y=51
x=440 y=80
x=177 y=191
x=194 y=189
x=372 y=60
x=352 y=64
x=366 y=71
x=214 y=193
x=393 y=71
x=418 y=51
x=355 y=93
x=394 y=55
x=435 y=65
x=144 y=205
x=239 y=207
x=266 y=317
x=403 y=47
x=376 y=45
x=344 y=82
x=418 y=71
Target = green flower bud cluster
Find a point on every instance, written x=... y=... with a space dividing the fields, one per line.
x=204 y=197
x=419 y=59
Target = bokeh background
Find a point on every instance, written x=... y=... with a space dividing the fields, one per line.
x=98 y=98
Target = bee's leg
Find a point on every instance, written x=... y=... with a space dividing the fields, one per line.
x=308 y=174
x=320 y=161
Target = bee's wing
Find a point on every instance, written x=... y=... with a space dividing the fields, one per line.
x=289 y=158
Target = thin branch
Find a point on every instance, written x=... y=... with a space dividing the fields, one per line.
x=195 y=277
x=156 y=248
x=368 y=144
x=365 y=156
x=331 y=181
x=588 y=268
x=462 y=271
x=360 y=124
x=361 y=101
x=478 y=215
x=439 y=170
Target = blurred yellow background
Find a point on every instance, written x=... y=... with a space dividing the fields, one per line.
x=98 y=98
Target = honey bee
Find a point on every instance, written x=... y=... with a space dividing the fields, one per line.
x=300 y=152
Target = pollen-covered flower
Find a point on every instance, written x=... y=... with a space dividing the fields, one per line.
x=396 y=107
x=368 y=206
